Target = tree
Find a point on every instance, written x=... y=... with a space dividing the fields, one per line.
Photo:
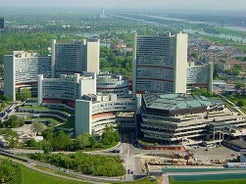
x=10 y=136
x=240 y=84
x=46 y=146
x=13 y=122
x=61 y=141
x=110 y=135
x=9 y=172
x=32 y=143
x=240 y=103
x=24 y=94
x=38 y=127
x=82 y=141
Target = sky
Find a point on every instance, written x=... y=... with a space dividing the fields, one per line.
x=160 y=4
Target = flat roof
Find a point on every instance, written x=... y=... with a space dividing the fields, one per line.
x=177 y=101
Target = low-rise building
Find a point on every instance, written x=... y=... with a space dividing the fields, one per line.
x=171 y=119
x=94 y=112
x=65 y=89
x=112 y=84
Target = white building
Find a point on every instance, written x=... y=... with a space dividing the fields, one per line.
x=94 y=112
x=160 y=64
x=21 y=70
x=66 y=88
x=200 y=76
x=113 y=84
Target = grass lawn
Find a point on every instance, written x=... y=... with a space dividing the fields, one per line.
x=30 y=176
x=145 y=180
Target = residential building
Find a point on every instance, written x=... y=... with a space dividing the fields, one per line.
x=160 y=63
x=21 y=70
x=65 y=89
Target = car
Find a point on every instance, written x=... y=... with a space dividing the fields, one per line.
x=206 y=150
x=114 y=151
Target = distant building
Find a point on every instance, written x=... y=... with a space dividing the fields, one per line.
x=75 y=57
x=21 y=70
x=160 y=64
x=94 y=112
x=65 y=89
x=200 y=76
x=2 y=24
x=227 y=64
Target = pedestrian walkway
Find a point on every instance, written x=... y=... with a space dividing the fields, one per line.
x=165 y=179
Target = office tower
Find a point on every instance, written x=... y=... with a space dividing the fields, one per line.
x=65 y=89
x=160 y=64
x=2 y=24
x=75 y=57
x=21 y=70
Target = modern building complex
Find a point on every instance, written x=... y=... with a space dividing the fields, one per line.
x=75 y=57
x=113 y=84
x=65 y=89
x=172 y=119
x=160 y=64
x=94 y=112
x=21 y=70
x=200 y=76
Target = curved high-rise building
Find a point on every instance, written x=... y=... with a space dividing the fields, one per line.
x=159 y=64
x=21 y=70
x=75 y=57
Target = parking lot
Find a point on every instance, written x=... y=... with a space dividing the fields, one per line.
x=216 y=153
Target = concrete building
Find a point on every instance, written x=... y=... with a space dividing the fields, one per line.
x=75 y=57
x=21 y=70
x=65 y=89
x=200 y=76
x=160 y=64
x=112 y=84
x=94 y=112
x=172 y=119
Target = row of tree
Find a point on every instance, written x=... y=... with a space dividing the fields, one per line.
x=62 y=141
x=97 y=165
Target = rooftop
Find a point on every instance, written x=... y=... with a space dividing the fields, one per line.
x=176 y=101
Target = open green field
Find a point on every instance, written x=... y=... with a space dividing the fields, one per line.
x=30 y=176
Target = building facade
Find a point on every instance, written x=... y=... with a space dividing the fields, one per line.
x=200 y=76
x=65 y=89
x=75 y=57
x=94 y=112
x=21 y=70
x=160 y=64
x=113 y=84
x=172 y=119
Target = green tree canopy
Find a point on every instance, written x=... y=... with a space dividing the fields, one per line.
x=38 y=127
